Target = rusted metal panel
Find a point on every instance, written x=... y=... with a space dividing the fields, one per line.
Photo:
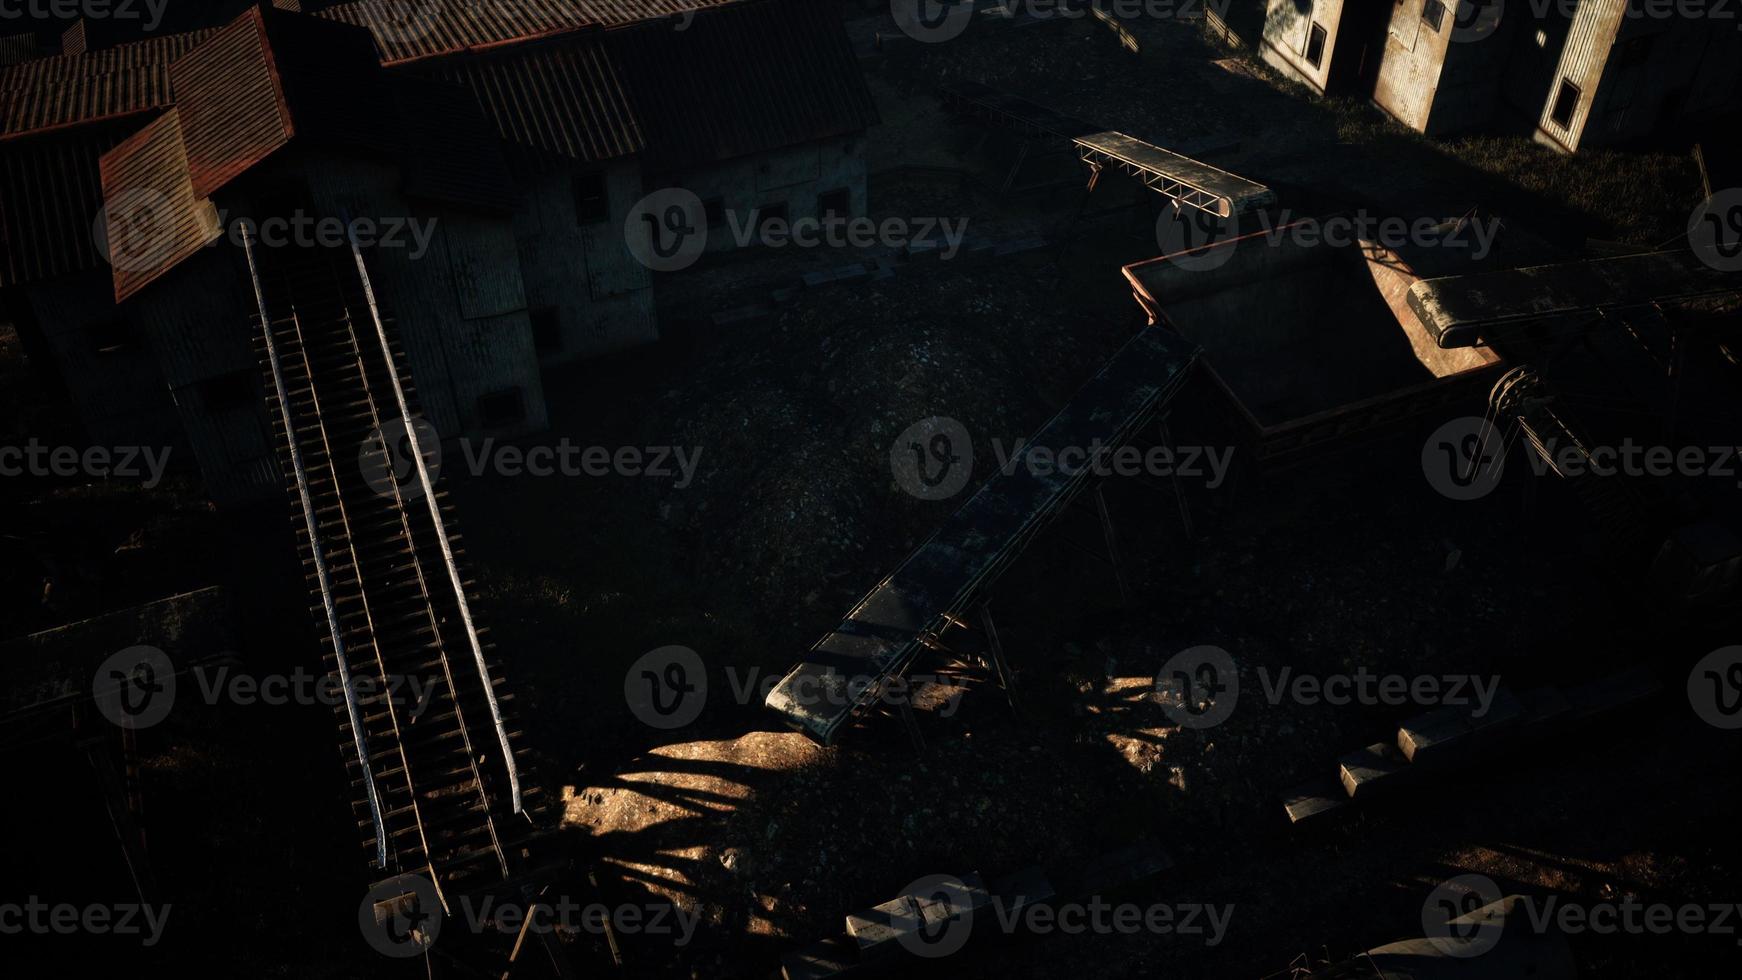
x=72 y=40
x=63 y=90
x=441 y=27
x=232 y=104
x=701 y=99
x=154 y=218
x=567 y=98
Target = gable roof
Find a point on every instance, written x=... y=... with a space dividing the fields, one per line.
x=588 y=80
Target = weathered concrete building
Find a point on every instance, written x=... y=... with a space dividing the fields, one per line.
x=1574 y=72
x=1331 y=46
x=1606 y=72
x=1438 y=74
x=503 y=155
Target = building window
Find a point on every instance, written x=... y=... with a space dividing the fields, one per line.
x=835 y=205
x=229 y=392
x=547 y=330
x=1566 y=101
x=591 y=202
x=766 y=215
x=502 y=408
x=1315 y=49
x=1433 y=14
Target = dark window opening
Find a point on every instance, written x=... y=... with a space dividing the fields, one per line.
x=112 y=336
x=229 y=392
x=591 y=202
x=767 y=214
x=835 y=205
x=1315 y=51
x=502 y=408
x=1565 y=102
x=1433 y=14
x=547 y=329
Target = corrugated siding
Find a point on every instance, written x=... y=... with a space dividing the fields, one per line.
x=154 y=218
x=714 y=91
x=231 y=104
x=1582 y=60
x=193 y=327
x=562 y=97
x=50 y=195
x=430 y=28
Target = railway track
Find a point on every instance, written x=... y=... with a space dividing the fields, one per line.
x=435 y=778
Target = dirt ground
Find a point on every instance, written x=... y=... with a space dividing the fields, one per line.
x=793 y=514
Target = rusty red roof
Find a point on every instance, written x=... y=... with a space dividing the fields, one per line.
x=231 y=103
x=152 y=216
x=67 y=90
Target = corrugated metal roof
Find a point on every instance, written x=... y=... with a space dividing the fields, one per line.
x=705 y=93
x=563 y=97
x=409 y=30
x=231 y=104
x=66 y=90
x=153 y=218
x=681 y=96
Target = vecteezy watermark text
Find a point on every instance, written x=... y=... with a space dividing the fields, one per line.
x=42 y=461
x=389 y=463
x=1200 y=686
x=1186 y=237
x=38 y=917
x=140 y=230
x=933 y=459
x=403 y=917
x=1465 y=458
x=936 y=915
x=148 y=12
x=1451 y=916
x=137 y=687
x=669 y=229
x=668 y=688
